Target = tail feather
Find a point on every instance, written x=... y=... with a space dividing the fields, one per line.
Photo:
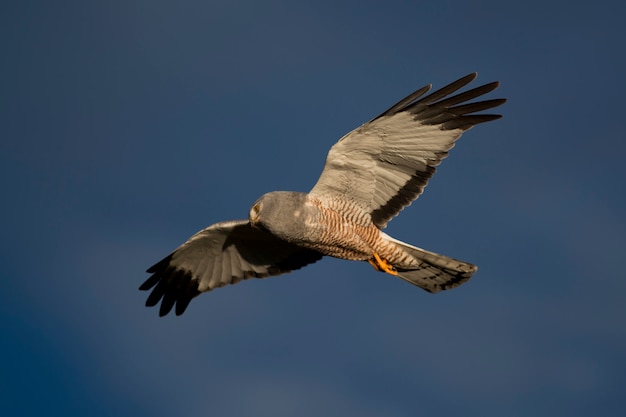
x=435 y=272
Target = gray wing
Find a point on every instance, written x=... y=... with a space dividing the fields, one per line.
x=386 y=163
x=224 y=253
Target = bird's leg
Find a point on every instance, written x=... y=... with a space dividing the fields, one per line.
x=382 y=265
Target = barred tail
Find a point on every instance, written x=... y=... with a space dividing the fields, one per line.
x=435 y=272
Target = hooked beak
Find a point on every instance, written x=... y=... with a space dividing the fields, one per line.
x=255 y=215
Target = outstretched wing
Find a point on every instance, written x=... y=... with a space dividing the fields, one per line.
x=386 y=163
x=224 y=253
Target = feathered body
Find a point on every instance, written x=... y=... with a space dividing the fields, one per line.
x=370 y=175
x=332 y=227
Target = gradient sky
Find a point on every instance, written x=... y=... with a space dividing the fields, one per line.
x=129 y=125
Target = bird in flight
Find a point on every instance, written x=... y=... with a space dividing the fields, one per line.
x=370 y=175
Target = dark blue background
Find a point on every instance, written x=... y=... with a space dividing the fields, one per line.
x=129 y=125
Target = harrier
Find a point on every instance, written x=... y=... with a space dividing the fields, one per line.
x=370 y=175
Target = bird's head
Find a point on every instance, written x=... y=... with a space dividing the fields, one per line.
x=277 y=211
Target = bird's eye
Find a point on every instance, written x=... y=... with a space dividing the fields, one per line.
x=254 y=212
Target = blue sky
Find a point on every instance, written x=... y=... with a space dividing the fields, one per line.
x=129 y=125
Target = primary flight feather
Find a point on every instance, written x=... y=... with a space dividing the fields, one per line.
x=370 y=175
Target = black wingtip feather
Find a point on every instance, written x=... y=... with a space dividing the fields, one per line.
x=435 y=108
x=402 y=104
x=454 y=112
x=182 y=303
x=476 y=107
x=467 y=95
x=467 y=122
x=172 y=287
x=448 y=89
x=156 y=295
x=149 y=283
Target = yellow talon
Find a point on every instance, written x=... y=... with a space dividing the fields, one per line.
x=382 y=265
